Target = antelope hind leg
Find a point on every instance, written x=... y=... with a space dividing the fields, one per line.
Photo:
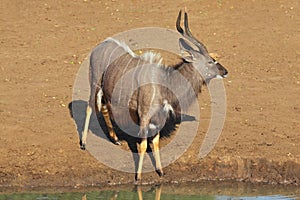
x=86 y=127
x=112 y=134
x=105 y=113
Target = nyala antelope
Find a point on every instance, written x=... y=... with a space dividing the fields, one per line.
x=149 y=105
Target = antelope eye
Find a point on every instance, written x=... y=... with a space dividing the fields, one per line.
x=210 y=62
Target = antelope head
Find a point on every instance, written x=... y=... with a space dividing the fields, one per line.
x=208 y=67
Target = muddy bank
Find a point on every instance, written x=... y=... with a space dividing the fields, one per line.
x=249 y=170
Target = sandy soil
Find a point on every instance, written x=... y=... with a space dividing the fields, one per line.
x=43 y=44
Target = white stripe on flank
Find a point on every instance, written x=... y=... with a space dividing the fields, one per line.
x=120 y=93
x=153 y=95
x=153 y=76
x=108 y=63
x=153 y=92
x=134 y=77
x=120 y=44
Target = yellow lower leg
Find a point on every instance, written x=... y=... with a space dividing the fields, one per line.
x=86 y=126
x=109 y=125
x=142 y=151
x=155 y=142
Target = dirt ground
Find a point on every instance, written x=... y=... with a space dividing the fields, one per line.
x=44 y=42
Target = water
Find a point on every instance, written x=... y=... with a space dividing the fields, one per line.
x=199 y=191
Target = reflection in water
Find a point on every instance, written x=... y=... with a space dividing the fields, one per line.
x=114 y=195
x=190 y=193
x=194 y=191
x=157 y=192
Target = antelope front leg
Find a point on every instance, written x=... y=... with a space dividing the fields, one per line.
x=109 y=125
x=155 y=142
x=86 y=127
x=142 y=151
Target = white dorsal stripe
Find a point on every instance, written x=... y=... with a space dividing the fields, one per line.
x=152 y=57
x=123 y=45
x=148 y=56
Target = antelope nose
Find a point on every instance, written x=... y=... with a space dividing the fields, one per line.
x=225 y=73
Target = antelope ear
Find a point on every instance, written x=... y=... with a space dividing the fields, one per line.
x=187 y=52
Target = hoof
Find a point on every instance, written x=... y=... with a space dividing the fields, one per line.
x=137 y=181
x=160 y=172
x=82 y=145
x=117 y=142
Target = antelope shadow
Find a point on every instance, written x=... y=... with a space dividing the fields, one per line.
x=97 y=126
